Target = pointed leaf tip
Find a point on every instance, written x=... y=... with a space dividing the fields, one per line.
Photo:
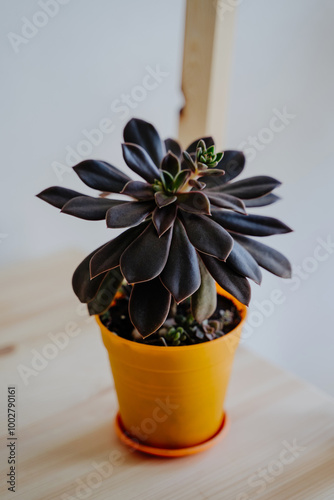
x=145 y=135
x=58 y=196
x=146 y=256
x=195 y=202
x=101 y=175
x=171 y=164
x=140 y=162
x=149 y=306
x=181 y=274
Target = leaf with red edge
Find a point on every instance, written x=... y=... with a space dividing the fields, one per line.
x=174 y=147
x=146 y=256
x=253 y=225
x=84 y=287
x=262 y=201
x=171 y=164
x=140 y=162
x=207 y=236
x=144 y=134
x=195 y=202
x=163 y=218
x=89 y=208
x=139 y=190
x=232 y=163
x=130 y=213
x=229 y=280
x=181 y=275
x=109 y=255
x=243 y=263
x=149 y=306
x=252 y=187
x=106 y=293
x=101 y=175
x=267 y=257
x=228 y=201
x=57 y=196
x=163 y=199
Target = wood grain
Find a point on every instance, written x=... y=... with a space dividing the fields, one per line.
x=208 y=45
x=65 y=414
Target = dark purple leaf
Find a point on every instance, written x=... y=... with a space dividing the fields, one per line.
x=130 y=213
x=228 y=201
x=171 y=164
x=163 y=218
x=254 y=225
x=140 y=162
x=101 y=175
x=204 y=300
x=181 y=275
x=163 y=199
x=174 y=147
x=266 y=257
x=228 y=279
x=252 y=187
x=208 y=236
x=89 y=208
x=85 y=288
x=194 y=202
x=268 y=199
x=109 y=255
x=146 y=256
x=106 y=293
x=232 y=163
x=143 y=134
x=243 y=263
x=138 y=189
x=208 y=142
x=57 y=196
x=149 y=306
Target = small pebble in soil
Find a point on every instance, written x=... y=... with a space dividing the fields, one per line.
x=180 y=328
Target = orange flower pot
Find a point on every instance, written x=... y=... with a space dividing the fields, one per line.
x=171 y=399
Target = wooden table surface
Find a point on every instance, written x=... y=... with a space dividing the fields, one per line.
x=280 y=445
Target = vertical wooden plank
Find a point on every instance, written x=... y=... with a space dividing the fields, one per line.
x=206 y=69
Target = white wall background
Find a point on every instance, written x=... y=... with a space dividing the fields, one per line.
x=284 y=58
x=65 y=78
x=64 y=81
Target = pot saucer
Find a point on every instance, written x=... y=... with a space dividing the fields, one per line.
x=170 y=452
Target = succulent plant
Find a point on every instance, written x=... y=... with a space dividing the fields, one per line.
x=180 y=327
x=187 y=227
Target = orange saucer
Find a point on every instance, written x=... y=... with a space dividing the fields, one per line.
x=170 y=452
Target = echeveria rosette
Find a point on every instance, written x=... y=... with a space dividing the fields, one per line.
x=187 y=227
